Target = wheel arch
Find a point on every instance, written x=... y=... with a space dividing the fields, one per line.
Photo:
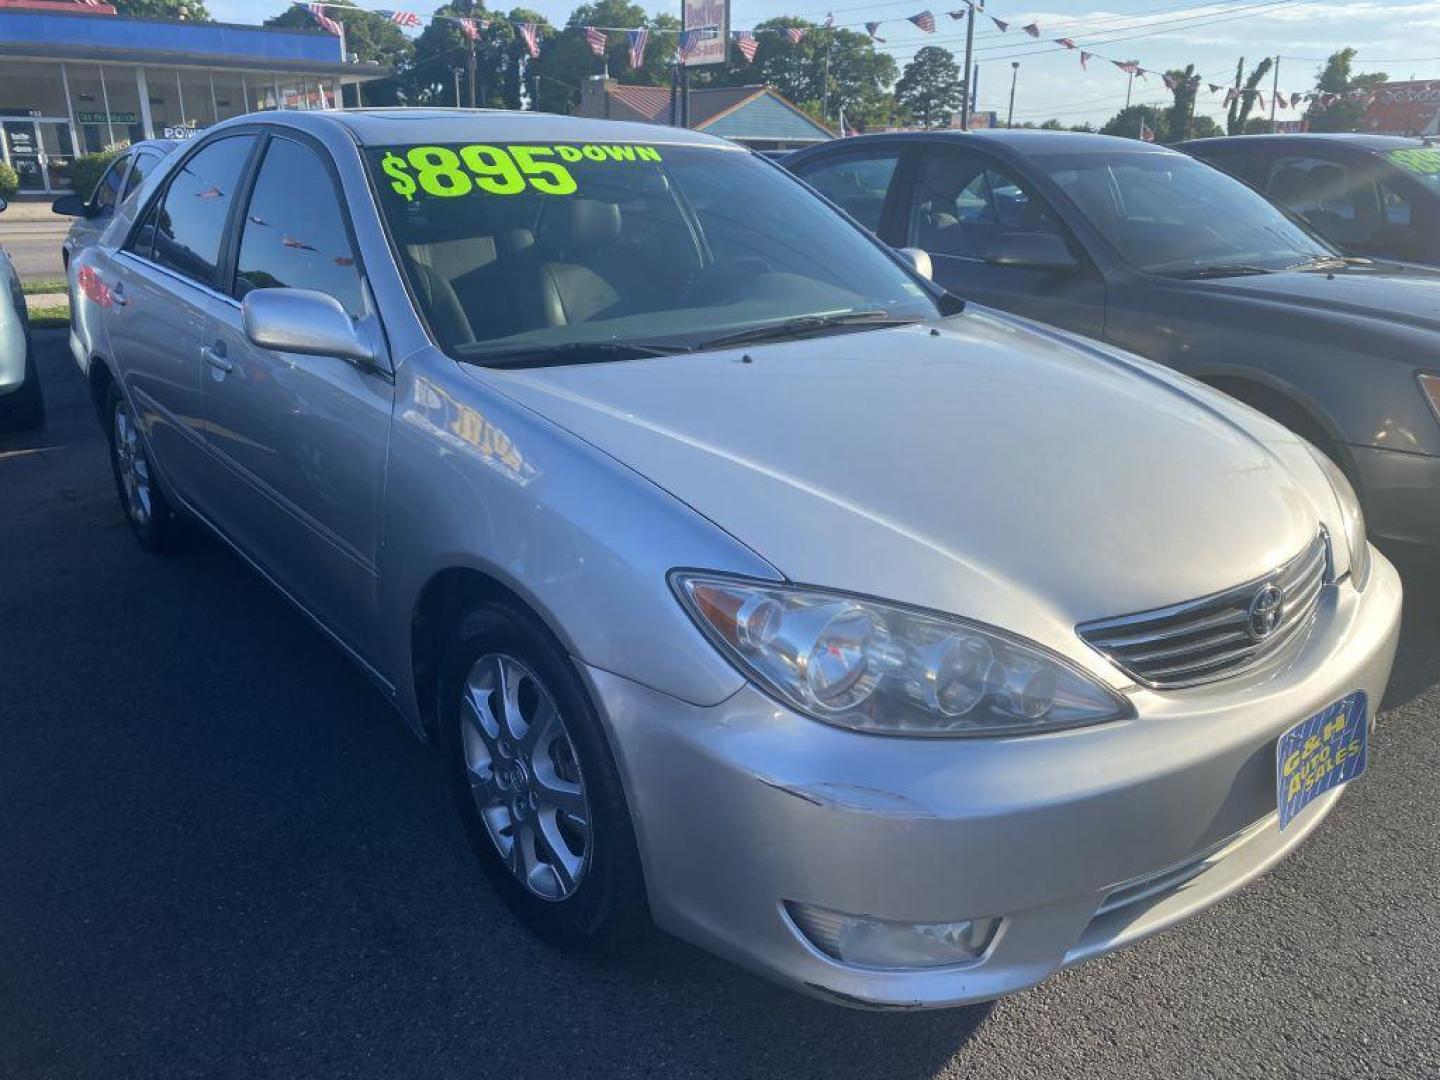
x=442 y=601
x=99 y=378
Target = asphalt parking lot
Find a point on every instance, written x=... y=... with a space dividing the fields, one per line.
x=222 y=855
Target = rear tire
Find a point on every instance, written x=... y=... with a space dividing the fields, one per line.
x=535 y=783
x=150 y=516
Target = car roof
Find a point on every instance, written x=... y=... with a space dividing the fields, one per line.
x=1020 y=140
x=1359 y=140
x=390 y=127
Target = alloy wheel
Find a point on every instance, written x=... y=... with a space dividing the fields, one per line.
x=132 y=466
x=524 y=776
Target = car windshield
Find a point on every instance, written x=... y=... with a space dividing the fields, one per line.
x=1421 y=162
x=1170 y=214
x=538 y=251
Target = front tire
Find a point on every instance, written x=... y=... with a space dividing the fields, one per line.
x=535 y=783
x=150 y=517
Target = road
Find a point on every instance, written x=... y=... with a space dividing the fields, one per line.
x=34 y=247
x=222 y=856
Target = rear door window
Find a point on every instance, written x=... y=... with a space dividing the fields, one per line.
x=190 y=219
x=139 y=171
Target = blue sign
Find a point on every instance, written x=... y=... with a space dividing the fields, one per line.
x=1320 y=753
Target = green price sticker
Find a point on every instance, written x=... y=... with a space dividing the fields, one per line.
x=447 y=173
x=1423 y=161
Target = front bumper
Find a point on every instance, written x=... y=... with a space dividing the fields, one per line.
x=744 y=805
x=1401 y=494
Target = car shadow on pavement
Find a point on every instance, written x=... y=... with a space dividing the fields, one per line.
x=224 y=855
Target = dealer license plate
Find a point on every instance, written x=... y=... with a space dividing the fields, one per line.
x=1320 y=753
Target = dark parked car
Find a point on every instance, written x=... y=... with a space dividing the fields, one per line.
x=1155 y=252
x=1370 y=194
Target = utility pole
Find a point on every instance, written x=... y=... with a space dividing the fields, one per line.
x=1274 y=89
x=1014 y=75
x=965 y=103
x=470 y=70
x=1128 y=85
x=457 y=87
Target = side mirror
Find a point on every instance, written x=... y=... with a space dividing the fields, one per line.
x=919 y=261
x=71 y=206
x=303 y=321
x=1031 y=250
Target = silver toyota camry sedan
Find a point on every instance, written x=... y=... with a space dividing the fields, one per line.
x=903 y=651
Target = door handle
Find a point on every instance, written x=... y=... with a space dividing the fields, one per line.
x=217 y=360
x=117 y=294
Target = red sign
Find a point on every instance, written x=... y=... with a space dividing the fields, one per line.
x=1405 y=108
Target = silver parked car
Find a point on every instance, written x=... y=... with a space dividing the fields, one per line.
x=22 y=405
x=92 y=213
x=901 y=653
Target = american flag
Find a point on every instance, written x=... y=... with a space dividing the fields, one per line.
x=689 y=42
x=1215 y=88
x=1000 y=24
x=925 y=21
x=468 y=28
x=1033 y=29
x=1085 y=58
x=403 y=19
x=956 y=15
x=596 y=40
x=796 y=34
x=531 y=33
x=871 y=28
x=317 y=12
x=1169 y=81
x=748 y=46
x=1130 y=67
x=1147 y=134
x=1065 y=43
x=638 y=40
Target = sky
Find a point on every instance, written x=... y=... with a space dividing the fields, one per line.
x=1399 y=37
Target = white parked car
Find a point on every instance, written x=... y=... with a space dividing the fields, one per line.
x=22 y=404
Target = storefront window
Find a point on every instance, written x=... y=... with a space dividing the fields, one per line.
x=99 y=122
x=123 y=93
x=29 y=89
x=230 y=88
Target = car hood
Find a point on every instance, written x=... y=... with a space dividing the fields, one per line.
x=979 y=465
x=1409 y=295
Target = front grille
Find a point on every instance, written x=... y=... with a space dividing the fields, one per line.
x=1216 y=636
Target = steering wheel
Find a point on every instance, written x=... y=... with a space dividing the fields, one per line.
x=720 y=282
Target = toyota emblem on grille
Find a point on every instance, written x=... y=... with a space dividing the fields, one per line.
x=1266 y=610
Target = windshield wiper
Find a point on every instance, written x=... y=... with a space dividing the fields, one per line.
x=1219 y=270
x=1331 y=262
x=569 y=352
x=805 y=324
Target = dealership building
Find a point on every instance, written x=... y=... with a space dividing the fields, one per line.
x=75 y=78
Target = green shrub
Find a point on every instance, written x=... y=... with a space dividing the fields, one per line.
x=85 y=173
x=9 y=182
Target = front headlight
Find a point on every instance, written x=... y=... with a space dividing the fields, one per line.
x=880 y=667
x=1351 y=516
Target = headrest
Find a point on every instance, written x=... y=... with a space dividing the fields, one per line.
x=1326 y=181
x=580 y=223
x=943 y=179
x=1288 y=185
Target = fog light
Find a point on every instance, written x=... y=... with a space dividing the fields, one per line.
x=866 y=941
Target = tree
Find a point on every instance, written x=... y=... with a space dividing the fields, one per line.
x=367 y=37
x=930 y=88
x=1179 y=120
x=1347 y=111
x=826 y=71
x=1126 y=122
x=189 y=10
x=1244 y=99
x=1202 y=127
x=563 y=67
